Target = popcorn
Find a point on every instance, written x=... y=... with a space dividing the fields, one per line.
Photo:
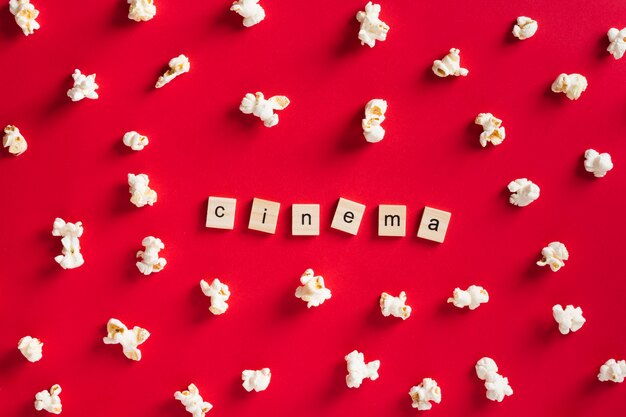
x=25 y=15
x=84 y=86
x=250 y=10
x=523 y=192
x=358 y=370
x=70 y=232
x=372 y=28
x=493 y=131
x=263 y=109
x=49 y=400
x=449 y=65
x=554 y=255
x=141 y=193
x=256 y=380
x=525 y=28
x=178 y=66
x=572 y=85
x=312 y=290
x=150 y=261
x=424 y=393
x=570 y=319
x=14 y=140
x=374 y=115
x=613 y=370
x=141 y=10
x=193 y=402
x=473 y=297
x=394 y=306
x=496 y=385
x=31 y=348
x=219 y=294
x=118 y=333
x=598 y=163
x=135 y=141
x=618 y=42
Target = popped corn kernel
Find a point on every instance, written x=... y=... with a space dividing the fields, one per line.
x=617 y=39
x=473 y=297
x=554 y=255
x=493 y=131
x=395 y=306
x=424 y=393
x=450 y=65
x=141 y=10
x=496 y=385
x=573 y=85
x=219 y=294
x=250 y=10
x=569 y=319
x=178 y=66
x=31 y=348
x=14 y=140
x=70 y=233
x=358 y=370
x=256 y=380
x=193 y=402
x=374 y=116
x=25 y=15
x=312 y=289
x=525 y=28
x=118 y=333
x=150 y=261
x=84 y=87
x=372 y=28
x=257 y=105
x=598 y=163
x=612 y=370
x=135 y=141
x=49 y=400
x=523 y=192
x=140 y=191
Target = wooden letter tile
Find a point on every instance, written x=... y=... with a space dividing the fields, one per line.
x=434 y=224
x=348 y=216
x=391 y=220
x=264 y=215
x=305 y=220
x=220 y=213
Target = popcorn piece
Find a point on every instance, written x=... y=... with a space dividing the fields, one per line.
x=555 y=255
x=394 y=306
x=256 y=380
x=84 y=86
x=570 y=319
x=49 y=400
x=525 y=28
x=493 y=131
x=312 y=289
x=424 y=393
x=141 y=10
x=219 y=294
x=263 y=109
x=358 y=370
x=150 y=261
x=193 y=402
x=473 y=297
x=178 y=66
x=141 y=193
x=70 y=232
x=25 y=15
x=613 y=370
x=372 y=28
x=618 y=42
x=449 y=65
x=598 y=163
x=31 y=348
x=523 y=192
x=572 y=85
x=14 y=140
x=135 y=141
x=374 y=116
x=250 y=10
x=118 y=333
x=496 y=385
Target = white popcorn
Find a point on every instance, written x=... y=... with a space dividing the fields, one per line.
x=450 y=65
x=613 y=370
x=150 y=261
x=372 y=28
x=118 y=333
x=424 y=393
x=141 y=10
x=525 y=28
x=618 y=42
x=572 y=85
x=256 y=380
x=358 y=370
x=135 y=141
x=219 y=294
x=555 y=255
x=141 y=193
x=84 y=86
x=312 y=289
x=473 y=297
x=14 y=140
x=493 y=131
x=374 y=115
x=523 y=192
x=394 y=306
x=598 y=163
x=49 y=400
x=257 y=105
x=496 y=385
x=570 y=319
x=193 y=402
x=31 y=348
x=178 y=66
x=25 y=15
x=70 y=232
x=250 y=10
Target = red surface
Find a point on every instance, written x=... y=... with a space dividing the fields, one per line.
x=201 y=145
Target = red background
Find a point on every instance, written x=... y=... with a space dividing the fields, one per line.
x=201 y=145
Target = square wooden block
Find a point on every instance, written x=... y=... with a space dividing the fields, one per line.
x=305 y=219
x=391 y=220
x=264 y=215
x=220 y=213
x=434 y=224
x=348 y=216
